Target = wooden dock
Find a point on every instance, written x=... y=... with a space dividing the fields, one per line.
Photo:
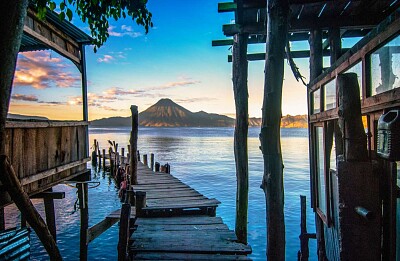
x=179 y=223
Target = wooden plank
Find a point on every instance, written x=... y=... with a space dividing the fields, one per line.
x=42 y=124
x=193 y=220
x=29 y=159
x=52 y=171
x=41 y=149
x=193 y=245
x=49 y=195
x=183 y=205
x=180 y=227
x=186 y=256
x=18 y=152
x=117 y=213
x=99 y=228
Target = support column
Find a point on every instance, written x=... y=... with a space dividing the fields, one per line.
x=2 y=220
x=239 y=72
x=133 y=143
x=50 y=215
x=272 y=184
x=83 y=206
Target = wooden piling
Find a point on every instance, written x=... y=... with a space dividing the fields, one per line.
x=133 y=144
x=140 y=202
x=50 y=215
x=104 y=159
x=130 y=197
x=138 y=155
x=145 y=160
x=111 y=161
x=94 y=153
x=272 y=184
x=83 y=206
x=303 y=226
x=152 y=161
x=239 y=72
x=124 y=232
x=157 y=167
x=129 y=153
x=123 y=155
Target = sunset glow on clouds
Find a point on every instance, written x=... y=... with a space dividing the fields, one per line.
x=39 y=70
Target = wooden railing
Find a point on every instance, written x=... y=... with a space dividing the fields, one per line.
x=45 y=153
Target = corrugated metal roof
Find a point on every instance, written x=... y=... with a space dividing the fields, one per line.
x=15 y=244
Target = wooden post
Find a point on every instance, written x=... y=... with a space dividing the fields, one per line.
x=21 y=199
x=104 y=159
x=50 y=215
x=83 y=205
x=138 y=155
x=303 y=226
x=272 y=184
x=152 y=161
x=240 y=90
x=94 y=153
x=129 y=153
x=122 y=155
x=157 y=166
x=133 y=142
x=124 y=232
x=145 y=160
x=140 y=203
x=111 y=161
x=131 y=196
x=316 y=66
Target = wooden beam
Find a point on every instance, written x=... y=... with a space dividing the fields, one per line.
x=294 y=54
x=49 y=195
x=240 y=89
x=50 y=215
x=21 y=199
x=84 y=210
x=99 y=228
x=43 y=124
x=53 y=171
x=227 y=7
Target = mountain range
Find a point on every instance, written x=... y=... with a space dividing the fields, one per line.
x=166 y=113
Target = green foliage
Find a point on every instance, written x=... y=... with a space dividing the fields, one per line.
x=96 y=13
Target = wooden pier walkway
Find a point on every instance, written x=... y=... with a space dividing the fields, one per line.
x=179 y=223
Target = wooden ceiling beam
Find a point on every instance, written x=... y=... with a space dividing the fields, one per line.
x=294 y=54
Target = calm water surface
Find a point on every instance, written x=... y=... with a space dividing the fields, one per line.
x=202 y=158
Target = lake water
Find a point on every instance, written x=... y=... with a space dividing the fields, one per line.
x=202 y=158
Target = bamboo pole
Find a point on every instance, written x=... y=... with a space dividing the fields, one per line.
x=240 y=90
x=21 y=199
x=133 y=144
x=272 y=184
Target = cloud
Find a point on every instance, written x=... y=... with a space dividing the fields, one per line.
x=23 y=97
x=124 y=31
x=106 y=59
x=170 y=85
x=40 y=71
x=193 y=100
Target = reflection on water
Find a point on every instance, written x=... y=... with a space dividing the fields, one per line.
x=203 y=158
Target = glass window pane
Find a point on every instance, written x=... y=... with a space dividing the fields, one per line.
x=357 y=68
x=330 y=95
x=385 y=67
x=317 y=101
x=320 y=169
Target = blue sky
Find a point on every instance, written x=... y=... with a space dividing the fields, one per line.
x=174 y=60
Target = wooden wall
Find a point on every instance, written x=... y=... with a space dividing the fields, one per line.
x=44 y=154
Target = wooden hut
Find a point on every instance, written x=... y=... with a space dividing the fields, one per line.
x=44 y=153
x=353 y=182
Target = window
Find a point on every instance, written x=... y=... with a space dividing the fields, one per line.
x=385 y=67
x=357 y=69
x=316 y=101
x=330 y=95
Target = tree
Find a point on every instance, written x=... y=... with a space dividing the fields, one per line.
x=12 y=13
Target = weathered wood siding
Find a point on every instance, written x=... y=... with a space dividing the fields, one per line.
x=46 y=153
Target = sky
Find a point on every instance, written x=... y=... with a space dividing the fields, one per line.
x=174 y=60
